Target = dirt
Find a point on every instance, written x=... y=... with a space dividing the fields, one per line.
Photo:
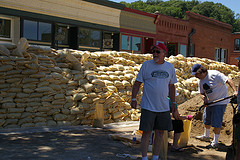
x=73 y=143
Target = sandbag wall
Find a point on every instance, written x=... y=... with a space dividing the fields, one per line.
x=62 y=87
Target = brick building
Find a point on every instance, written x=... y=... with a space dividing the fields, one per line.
x=211 y=38
x=173 y=32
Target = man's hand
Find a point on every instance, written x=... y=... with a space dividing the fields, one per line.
x=134 y=104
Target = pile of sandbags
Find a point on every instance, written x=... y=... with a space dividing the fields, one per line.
x=45 y=87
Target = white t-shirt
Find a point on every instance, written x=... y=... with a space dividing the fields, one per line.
x=156 y=79
x=215 y=87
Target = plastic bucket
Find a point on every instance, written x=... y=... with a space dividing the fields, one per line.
x=164 y=147
x=183 y=140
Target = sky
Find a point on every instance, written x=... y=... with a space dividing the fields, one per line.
x=234 y=5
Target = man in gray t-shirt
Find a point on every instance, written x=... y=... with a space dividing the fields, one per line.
x=158 y=77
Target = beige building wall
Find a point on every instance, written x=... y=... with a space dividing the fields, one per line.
x=71 y=9
x=137 y=22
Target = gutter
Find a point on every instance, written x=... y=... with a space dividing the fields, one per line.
x=189 y=39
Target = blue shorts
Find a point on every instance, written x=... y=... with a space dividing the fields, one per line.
x=150 y=121
x=213 y=115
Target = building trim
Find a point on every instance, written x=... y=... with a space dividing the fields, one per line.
x=138 y=33
x=25 y=14
x=108 y=4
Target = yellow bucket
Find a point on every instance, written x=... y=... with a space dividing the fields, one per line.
x=164 y=147
x=183 y=140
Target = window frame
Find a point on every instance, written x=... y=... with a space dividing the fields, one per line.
x=89 y=33
x=38 y=39
x=220 y=55
x=11 y=27
x=186 y=49
x=238 y=45
x=131 y=43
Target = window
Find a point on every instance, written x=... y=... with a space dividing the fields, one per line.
x=37 y=31
x=131 y=43
x=90 y=37
x=136 y=44
x=61 y=34
x=126 y=41
x=183 y=50
x=237 y=44
x=5 y=28
x=217 y=54
x=221 y=55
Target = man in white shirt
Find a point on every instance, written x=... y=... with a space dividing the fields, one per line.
x=212 y=86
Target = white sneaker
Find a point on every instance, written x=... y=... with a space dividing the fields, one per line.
x=203 y=138
x=213 y=145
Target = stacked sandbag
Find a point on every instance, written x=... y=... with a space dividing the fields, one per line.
x=45 y=87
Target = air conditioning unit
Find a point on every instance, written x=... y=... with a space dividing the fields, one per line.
x=107 y=43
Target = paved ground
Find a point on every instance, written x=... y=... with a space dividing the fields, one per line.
x=64 y=143
x=81 y=142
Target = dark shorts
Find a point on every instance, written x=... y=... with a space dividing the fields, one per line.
x=177 y=126
x=150 y=121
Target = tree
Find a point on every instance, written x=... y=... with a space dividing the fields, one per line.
x=178 y=8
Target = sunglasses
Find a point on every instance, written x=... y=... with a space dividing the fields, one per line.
x=156 y=51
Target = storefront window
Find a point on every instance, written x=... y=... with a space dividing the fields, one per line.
x=30 y=30
x=61 y=35
x=37 y=31
x=44 y=32
x=5 y=28
x=136 y=43
x=126 y=42
x=89 y=37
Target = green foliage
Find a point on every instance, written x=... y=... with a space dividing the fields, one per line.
x=178 y=8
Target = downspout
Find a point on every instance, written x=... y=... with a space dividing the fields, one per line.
x=189 y=40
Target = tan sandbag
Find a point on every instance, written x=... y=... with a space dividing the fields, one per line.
x=88 y=87
x=117 y=115
x=79 y=96
x=4 y=51
x=98 y=120
x=5 y=68
x=98 y=82
x=22 y=46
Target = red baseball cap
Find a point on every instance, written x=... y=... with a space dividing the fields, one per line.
x=161 y=46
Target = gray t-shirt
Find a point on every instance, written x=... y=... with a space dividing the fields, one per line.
x=156 y=79
x=214 y=85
